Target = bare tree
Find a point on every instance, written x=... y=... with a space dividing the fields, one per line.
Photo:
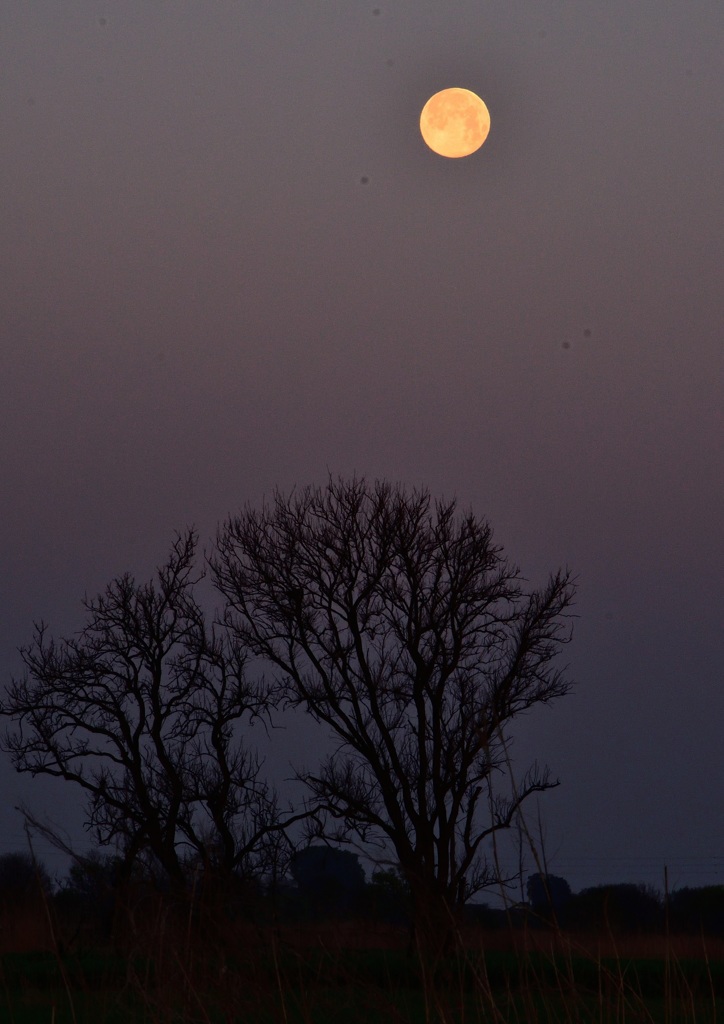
x=397 y=623
x=141 y=709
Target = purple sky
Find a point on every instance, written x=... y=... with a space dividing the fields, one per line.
x=228 y=261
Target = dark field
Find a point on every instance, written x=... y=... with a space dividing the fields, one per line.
x=351 y=973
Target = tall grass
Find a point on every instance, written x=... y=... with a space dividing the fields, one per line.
x=178 y=967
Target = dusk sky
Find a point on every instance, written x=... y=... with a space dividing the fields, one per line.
x=229 y=262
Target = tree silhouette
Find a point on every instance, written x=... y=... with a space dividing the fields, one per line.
x=23 y=881
x=141 y=711
x=332 y=881
x=623 y=906
x=548 y=895
x=398 y=624
x=698 y=910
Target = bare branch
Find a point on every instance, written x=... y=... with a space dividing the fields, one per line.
x=141 y=709
x=399 y=624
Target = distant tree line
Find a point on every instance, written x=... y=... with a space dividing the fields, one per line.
x=392 y=620
x=624 y=907
x=326 y=883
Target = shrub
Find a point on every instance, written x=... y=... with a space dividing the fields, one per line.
x=624 y=907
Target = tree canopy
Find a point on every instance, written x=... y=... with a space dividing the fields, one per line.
x=391 y=619
x=141 y=711
x=396 y=622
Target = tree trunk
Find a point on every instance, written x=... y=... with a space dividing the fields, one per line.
x=435 y=931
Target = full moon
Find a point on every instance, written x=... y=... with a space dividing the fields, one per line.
x=454 y=122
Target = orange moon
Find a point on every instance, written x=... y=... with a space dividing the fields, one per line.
x=454 y=122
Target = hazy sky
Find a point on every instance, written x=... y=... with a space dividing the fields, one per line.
x=229 y=262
